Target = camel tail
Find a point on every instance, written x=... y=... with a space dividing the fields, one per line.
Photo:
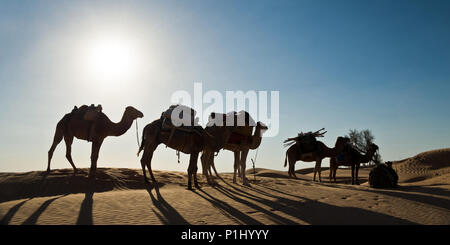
x=285 y=159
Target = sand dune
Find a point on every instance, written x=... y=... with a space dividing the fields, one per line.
x=425 y=166
x=119 y=196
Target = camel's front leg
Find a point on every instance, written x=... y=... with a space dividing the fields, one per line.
x=236 y=164
x=206 y=165
x=319 y=168
x=353 y=174
x=192 y=170
x=356 y=174
x=94 y=156
x=243 y=166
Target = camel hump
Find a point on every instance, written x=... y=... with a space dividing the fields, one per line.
x=88 y=113
x=181 y=113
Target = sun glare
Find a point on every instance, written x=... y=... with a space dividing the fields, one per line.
x=111 y=60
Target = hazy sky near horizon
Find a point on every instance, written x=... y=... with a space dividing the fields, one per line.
x=381 y=65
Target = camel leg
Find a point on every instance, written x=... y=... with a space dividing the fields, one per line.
x=353 y=174
x=147 y=160
x=56 y=139
x=319 y=168
x=206 y=166
x=94 y=156
x=331 y=169
x=194 y=158
x=334 y=170
x=291 y=160
x=236 y=164
x=356 y=174
x=192 y=170
x=315 y=171
x=69 y=140
x=213 y=166
x=244 y=154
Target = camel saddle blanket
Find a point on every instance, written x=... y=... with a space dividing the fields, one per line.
x=308 y=155
x=242 y=120
x=177 y=111
x=237 y=139
x=307 y=147
x=341 y=158
x=88 y=113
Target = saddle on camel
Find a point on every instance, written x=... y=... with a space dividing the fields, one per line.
x=88 y=113
x=243 y=125
x=180 y=119
x=306 y=142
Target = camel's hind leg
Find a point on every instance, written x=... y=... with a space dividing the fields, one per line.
x=59 y=133
x=69 y=140
x=147 y=160
x=291 y=161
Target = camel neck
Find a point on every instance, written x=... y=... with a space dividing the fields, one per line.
x=122 y=126
x=256 y=138
x=367 y=157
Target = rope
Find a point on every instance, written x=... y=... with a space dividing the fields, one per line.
x=254 y=162
x=137 y=134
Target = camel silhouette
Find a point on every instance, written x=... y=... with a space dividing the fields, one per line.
x=353 y=158
x=73 y=125
x=294 y=154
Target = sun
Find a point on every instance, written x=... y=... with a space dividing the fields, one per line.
x=111 y=59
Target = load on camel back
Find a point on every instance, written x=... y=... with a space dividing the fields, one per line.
x=87 y=113
x=180 y=119
x=241 y=122
x=306 y=142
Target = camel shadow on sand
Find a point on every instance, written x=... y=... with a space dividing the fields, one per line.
x=307 y=210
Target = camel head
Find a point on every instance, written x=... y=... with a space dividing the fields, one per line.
x=372 y=148
x=389 y=164
x=133 y=112
x=262 y=126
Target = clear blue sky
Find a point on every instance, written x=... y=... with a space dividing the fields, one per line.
x=381 y=65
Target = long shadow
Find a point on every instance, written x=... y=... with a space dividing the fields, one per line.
x=34 y=217
x=171 y=215
x=11 y=212
x=426 y=190
x=315 y=212
x=274 y=217
x=403 y=192
x=85 y=216
x=228 y=210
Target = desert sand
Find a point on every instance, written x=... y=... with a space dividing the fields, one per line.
x=119 y=196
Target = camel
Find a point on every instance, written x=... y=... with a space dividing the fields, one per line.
x=351 y=157
x=240 y=150
x=71 y=125
x=293 y=154
x=189 y=141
